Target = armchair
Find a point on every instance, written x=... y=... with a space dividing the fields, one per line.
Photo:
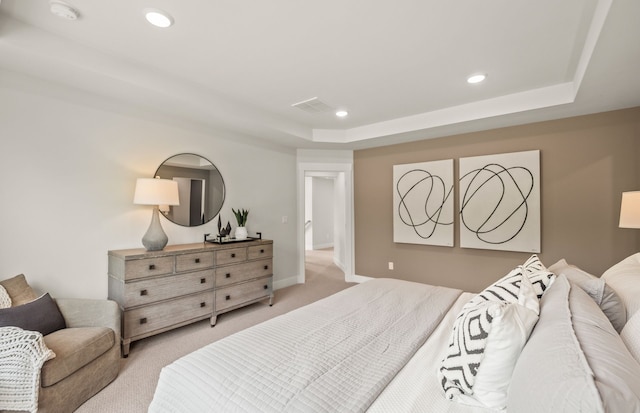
x=87 y=354
x=87 y=350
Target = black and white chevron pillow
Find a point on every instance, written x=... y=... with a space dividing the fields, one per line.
x=466 y=348
x=507 y=288
x=509 y=307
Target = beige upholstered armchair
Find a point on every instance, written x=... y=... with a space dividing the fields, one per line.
x=87 y=352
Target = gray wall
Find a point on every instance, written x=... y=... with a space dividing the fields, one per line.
x=586 y=163
x=68 y=166
x=322 y=213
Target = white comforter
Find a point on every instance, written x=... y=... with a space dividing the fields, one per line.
x=335 y=355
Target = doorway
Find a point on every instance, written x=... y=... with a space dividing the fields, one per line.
x=339 y=236
x=324 y=223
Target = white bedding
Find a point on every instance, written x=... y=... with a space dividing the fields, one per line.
x=335 y=355
x=415 y=389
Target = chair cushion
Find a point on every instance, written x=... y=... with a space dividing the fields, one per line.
x=41 y=315
x=19 y=290
x=74 y=348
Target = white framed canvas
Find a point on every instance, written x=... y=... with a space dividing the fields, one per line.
x=500 y=201
x=423 y=207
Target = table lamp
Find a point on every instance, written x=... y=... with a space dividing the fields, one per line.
x=155 y=191
x=630 y=210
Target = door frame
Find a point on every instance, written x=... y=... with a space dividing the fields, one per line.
x=347 y=169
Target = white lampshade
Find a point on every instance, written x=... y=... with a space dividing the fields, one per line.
x=153 y=191
x=630 y=210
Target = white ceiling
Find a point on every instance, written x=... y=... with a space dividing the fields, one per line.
x=399 y=67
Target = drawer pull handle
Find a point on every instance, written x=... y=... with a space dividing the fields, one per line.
x=152 y=266
x=227 y=275
x=203 y=280
x=197 y=260
x=266 y=287
x=266 y=267
x=233 y=255
x=262 y=251
x=202 y=304
x=227 y=297
x=143 y=292
x=143 y=320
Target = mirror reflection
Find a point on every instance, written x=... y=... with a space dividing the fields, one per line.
x=200 y=187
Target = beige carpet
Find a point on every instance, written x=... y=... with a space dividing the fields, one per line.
x=133 y=390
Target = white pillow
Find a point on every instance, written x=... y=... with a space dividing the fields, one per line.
x=631 y=336
x=610 y=303
x=574 y=361
x=624 y=278
x=5 y=300
x=486 y=340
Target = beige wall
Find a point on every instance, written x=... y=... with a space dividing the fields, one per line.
x=586 y=163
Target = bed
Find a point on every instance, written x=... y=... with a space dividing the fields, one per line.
x=537 y=340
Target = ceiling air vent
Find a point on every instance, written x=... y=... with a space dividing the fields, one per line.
x=313 y=105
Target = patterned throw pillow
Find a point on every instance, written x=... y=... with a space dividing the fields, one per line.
x=508 y=287
x=489 y=334
x=5 y=300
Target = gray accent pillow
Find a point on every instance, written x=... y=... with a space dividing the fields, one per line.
x=42 y=315
x=610 y=303
x=624 y=278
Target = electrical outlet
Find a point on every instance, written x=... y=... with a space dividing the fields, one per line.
x=390 y=265
x=285 y=219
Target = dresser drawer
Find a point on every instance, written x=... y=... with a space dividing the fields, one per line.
x=159 y=316
x=148 y=267
x=157 y=289
x=260 y=251
x=196 y=261
x=231 y=256
x=242 y=272
x=241 y=293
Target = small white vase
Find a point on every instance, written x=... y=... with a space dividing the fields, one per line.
x=241 y=233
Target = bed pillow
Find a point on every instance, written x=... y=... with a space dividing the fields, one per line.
x=42 y=315
x=602 y=294
x=631 y=336
x=508 y=287
x=18 y=289
x=574 y=360
x=624 y=278
x=484 y=346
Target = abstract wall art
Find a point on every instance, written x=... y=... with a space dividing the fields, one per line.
x=423 y=203
x=500 y=201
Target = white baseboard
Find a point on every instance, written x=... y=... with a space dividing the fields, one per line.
x=322 y=246
x=287 y=282
x=357 y=278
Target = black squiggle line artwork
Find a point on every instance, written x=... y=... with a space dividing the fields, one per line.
x=498 y=198
x=425 y=217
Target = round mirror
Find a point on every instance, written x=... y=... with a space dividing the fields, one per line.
x=200 y=188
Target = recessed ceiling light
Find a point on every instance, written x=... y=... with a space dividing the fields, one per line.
x=158 y=18
x=63 y=10
x=342 y=113
x=476 y=78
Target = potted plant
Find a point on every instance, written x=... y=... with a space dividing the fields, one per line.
x=241 y=217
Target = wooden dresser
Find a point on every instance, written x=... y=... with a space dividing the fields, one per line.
x=161 y=290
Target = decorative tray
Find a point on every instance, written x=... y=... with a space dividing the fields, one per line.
x=226 y=240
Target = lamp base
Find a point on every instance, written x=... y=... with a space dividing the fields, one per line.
x=155 y=239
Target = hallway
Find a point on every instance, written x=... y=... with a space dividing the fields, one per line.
x=319 y=265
